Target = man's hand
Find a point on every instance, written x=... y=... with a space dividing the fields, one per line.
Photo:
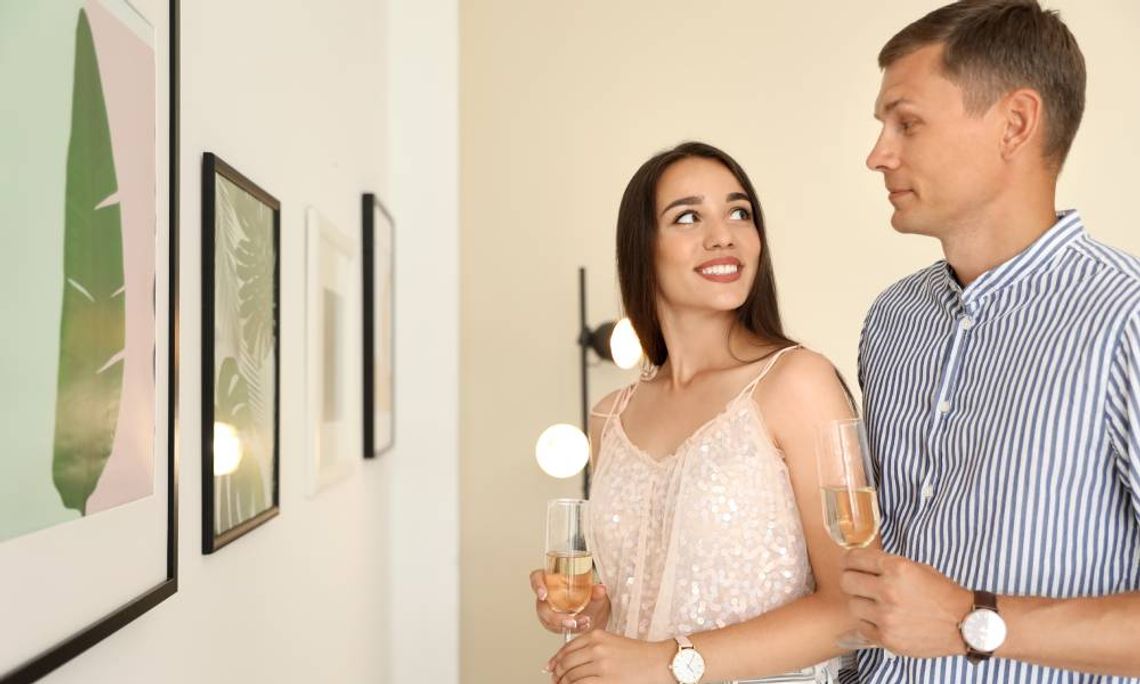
x=909 y=608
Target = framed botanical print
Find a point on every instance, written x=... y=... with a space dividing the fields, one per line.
x=378 y=248
x=88 y=378
x=241 y=230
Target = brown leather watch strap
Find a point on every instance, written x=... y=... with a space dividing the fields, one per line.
x=985 y=599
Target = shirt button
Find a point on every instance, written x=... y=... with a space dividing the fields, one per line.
x=944 y=407
x=967 y=323
x=927 y=492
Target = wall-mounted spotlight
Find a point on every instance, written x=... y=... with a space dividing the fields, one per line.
x=614 y=341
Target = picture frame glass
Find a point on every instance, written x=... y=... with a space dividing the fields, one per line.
x=245 y=359
x=383 y=397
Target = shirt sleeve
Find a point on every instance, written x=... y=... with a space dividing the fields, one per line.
x=861 y=361
x=1123 y=408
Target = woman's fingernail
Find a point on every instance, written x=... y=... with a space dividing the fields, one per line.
x=570 y=623
x=585 y=623
x=542 y=593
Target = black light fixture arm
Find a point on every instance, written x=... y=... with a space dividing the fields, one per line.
x=585 y=340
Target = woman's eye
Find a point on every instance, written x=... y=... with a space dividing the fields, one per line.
x=686 y=217
x=741 y=214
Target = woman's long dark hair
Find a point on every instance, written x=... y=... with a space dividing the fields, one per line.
x=637 y=249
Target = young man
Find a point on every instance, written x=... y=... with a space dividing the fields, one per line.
x=1002 y=385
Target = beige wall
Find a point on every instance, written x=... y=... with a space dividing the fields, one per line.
x=560 y=101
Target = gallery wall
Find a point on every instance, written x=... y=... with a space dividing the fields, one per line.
x=318 y=103
x=560 y=104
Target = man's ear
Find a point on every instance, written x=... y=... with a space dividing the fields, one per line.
x=1023 y=111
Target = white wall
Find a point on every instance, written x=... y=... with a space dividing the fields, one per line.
x=423 y=38
x=318 y=102
x=561 y=101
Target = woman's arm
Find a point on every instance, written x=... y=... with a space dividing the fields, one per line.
x=596 y=614
x=797 y=398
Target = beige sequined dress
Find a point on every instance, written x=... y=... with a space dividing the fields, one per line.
x=703 y=538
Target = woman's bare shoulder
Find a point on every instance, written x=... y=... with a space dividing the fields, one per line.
x=606 y=405
x=803 y=375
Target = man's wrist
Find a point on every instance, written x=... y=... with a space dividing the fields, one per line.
x=1021 y=615
x=963 y=606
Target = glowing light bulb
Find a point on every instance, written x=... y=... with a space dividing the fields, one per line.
x=227 y=449
x=562 y=450
x=624 y=345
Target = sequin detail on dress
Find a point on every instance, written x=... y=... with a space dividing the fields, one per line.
x=706 y=537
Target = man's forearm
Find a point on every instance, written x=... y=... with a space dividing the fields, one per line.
x=1100 y=634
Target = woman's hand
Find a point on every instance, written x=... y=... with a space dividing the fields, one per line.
x=599 y=657
x=596 y=613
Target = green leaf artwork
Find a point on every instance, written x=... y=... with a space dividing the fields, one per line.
x=255 y=270
x=244 y=342
x=244 y=495
x=93 y=320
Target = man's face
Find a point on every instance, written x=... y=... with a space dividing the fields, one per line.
x=942 y=166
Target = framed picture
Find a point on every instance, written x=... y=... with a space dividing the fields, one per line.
x=88 y=380
x=241 y=399
x=378 y=248
x=333 y=354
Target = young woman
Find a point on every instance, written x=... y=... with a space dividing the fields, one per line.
x=707 y=521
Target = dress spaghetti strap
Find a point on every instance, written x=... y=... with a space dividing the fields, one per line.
x=618 y=405
x=751 y=387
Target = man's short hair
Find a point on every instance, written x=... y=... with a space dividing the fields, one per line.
x=992 y=47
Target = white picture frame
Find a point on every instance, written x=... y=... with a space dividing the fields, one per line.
x=333 y=352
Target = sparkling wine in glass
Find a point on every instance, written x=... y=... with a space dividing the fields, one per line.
x=847 y=487
x=569 y=567
x=851 y=515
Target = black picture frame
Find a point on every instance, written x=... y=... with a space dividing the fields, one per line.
x=370 y=206
x=212 y=167
x=51 y=659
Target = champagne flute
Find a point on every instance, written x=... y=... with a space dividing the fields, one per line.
x=847 y=487
x=569 y=568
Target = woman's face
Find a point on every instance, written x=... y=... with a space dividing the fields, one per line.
x=708 y=248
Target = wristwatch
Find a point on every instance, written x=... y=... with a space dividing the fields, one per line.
x=688 y=666
x=983 y=630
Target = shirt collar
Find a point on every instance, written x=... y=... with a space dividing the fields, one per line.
x=1032 y=259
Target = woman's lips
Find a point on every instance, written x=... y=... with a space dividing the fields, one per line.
x=720 y=270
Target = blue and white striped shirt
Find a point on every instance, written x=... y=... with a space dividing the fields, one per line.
x=1004 y=422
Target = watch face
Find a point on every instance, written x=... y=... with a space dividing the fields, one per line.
x=688 y=666
x=983 y=630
